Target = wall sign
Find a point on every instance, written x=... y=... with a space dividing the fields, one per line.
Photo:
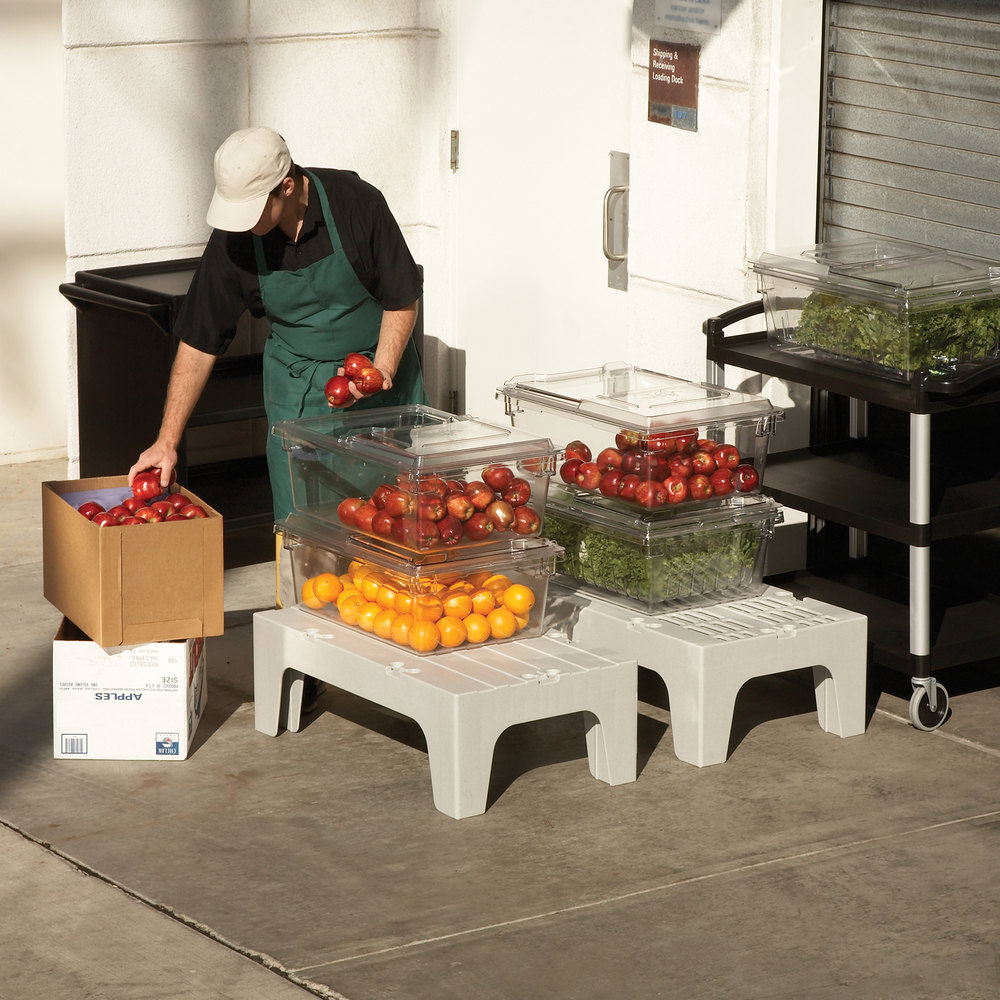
x=703 y=16
x=673 y=84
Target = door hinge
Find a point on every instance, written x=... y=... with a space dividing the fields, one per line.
x=454 y=149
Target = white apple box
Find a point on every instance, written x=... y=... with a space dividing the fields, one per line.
x=137 y=702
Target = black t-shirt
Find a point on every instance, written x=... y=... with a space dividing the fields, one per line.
x=226 y=282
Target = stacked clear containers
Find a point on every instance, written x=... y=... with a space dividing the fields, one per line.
x=657 y=498
x=889 y=306
x=409 y=516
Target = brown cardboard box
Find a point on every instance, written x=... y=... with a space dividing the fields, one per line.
x=136 y=584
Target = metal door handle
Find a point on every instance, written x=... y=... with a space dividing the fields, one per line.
x=618 y=189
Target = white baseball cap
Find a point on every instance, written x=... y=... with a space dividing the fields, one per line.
x=248 y=166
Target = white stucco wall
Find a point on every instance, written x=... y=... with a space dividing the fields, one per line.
x=153 y=86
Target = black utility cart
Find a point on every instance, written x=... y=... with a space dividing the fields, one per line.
x=901 y=480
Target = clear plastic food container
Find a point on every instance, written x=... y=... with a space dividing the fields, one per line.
x=417 y=478
x=638 y=440
x=431 y=603
x=889 y=306
x=653 y=564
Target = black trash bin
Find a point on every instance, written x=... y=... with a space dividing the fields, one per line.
x=125 y=347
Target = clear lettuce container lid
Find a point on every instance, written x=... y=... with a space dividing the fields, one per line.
x=890 y=272
x=653 y=526
x=634 y=398
x=417 y=438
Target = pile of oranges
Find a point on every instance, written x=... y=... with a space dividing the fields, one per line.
x=439 y=612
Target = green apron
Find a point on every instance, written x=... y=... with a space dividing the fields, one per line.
x=317 y=315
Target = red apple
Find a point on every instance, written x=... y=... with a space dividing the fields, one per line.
x=191 y=510
x=588 y=476
x=478 y=527
x=625 y=440
x=609 y=458
x=425 y=533
x=455 y=485
x=450 y=529
x=138 y=520
x=567 y=471
x=382 y=523
x=654 y=465
x=577 y=449
x=370 y=381
x=164 y=507
x=610 y=482
x=175 y=515
x=404 y=529
x=479 y=494
x=146 y=485
x=459 y=506
x=651 y=493
x=381 y=492
x=526 y=521
x=632 y=459
x=347 y=508
x=90 y=509
x=745 y=477
x=517 y=492
x=703 y=462
x=501 y=514
x=432 y=485
x=363 y=515
x=431 y=508
x=628 y=485
x=104 y=520
x=354 y=364
x=148 y=514
x=497 y=476
x=686 y=441
x=677 y=489
x=706 y=444
x=662 y=442
x=397 y=502
x=176 y=500
x=722 y=482
x=680 y=465
x=338 y=390
x=699 y=487
x=726 y=456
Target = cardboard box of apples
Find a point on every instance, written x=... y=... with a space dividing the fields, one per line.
x=130 y=565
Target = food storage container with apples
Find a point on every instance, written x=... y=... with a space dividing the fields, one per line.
x=891 y=307
x=431 y=602
x=700 y=556
x=634 y=440
x=419 y=479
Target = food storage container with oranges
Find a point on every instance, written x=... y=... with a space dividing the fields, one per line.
x=426 y=603
x=417 y=479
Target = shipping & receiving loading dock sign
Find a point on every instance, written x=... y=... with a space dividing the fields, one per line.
x=673 y=84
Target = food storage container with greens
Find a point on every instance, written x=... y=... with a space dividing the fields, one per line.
x=417 y=478
x=652 y=564
x=892 y=307
x=430 y=602
x=636 y=440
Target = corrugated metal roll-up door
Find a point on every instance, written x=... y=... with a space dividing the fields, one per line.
x=911 y=123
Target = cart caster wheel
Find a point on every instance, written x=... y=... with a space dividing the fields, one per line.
x=920 y=711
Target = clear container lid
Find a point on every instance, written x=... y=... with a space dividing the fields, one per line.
x=752 y=508
x=892 y=272
x=354 y=546
x=415 y=437
x=636 y=399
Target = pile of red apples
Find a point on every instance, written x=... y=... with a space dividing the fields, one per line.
x=148 y=504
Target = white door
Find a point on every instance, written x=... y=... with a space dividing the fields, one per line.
x=542 y=100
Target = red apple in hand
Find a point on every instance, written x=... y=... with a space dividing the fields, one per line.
x=370 y=381
x=355 y=364
x=338 y=390
x=146 y=485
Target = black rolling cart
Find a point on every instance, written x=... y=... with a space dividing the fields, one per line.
x=903 y=479
x=125 y=347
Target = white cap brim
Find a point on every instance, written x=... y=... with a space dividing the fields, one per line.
x=235 y=216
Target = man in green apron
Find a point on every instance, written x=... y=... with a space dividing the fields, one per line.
x=320 y=255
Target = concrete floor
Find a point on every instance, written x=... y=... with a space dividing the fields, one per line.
x=806 y=866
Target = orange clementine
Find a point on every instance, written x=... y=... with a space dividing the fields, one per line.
x=383 y=622
x=309 y=598
x=346 y=593
x=462 y=587
x=483 y=601
x=452 y=631
x=366 y=615
x=327 y=587
x=522 y=621
x=519 y=599
x=424 y=636
x=350 y=608
x=385 y=597
x=400 y=631
x=371 y=583
x=478 y=578
x=477 y=628
x=427 y=608
x=503 y=624
x=457 y=604
x=497 y=583
x=403 y=602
